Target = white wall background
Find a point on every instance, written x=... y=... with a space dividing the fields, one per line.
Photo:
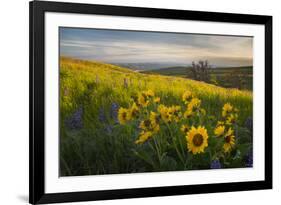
x=14 y=100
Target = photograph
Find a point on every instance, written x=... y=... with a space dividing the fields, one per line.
x=133 y=101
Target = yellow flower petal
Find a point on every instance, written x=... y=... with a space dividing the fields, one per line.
x=219 y=130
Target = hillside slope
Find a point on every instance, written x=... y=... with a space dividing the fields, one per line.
x=229 y=77
x=93 y=141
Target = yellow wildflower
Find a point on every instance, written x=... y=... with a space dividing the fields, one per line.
x=151 y=124
x=229 y=143
x=174 y=112
x=227 y=108
x=194 y=104
x=134 y=110
x=219 y=130
x=184 y=128
x=229 y=132
x=186 y=97
x=165 y=115
x=124 y=115
x=154 y=118
x=188 y=113
x=145 y=124
x=142 y=100
x=231 y=119
x=149 y=93
x=144 y=136
x=220 y=123
x=197 y=139
x=157 y=100
x=203 y=111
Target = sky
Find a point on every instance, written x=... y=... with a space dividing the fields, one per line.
x=117 y=46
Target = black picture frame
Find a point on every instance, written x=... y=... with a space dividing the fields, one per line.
x=37 y=9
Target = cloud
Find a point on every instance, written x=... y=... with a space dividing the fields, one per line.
x=132 y=46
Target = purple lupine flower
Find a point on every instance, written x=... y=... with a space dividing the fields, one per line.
x=114 y=111
x=215 y=164
x=102 y=115
x=109 y=129
x=249 y=123
x=75 y=121
x=249 y=159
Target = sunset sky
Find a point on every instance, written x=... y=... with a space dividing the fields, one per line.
x=114 y=46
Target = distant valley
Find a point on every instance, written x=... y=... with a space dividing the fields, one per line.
x=149 y=66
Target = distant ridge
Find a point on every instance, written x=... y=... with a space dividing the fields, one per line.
x=229 y=77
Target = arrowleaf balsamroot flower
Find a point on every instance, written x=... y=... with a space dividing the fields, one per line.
x=220 y=123
x=154 y=119
x=145 y=124
x=192 y=107
x=219 y=130
x=143 y=100
x=227 y=108
x=169 y=114
x=149 y=127
x=144 y=136
x=151 y=124
x=145 y=97
x=157 y=100
x=164 y=113
x=194 y=104
x=149 y=93
x=229 y=141
x=187 y=96
x=203 y=111
x=231 y=119
x=197 y=139
x=134 y=110
x=175 y=112
x=124 y=115
x=188 y=113
x=229 y=132
x=184 y=128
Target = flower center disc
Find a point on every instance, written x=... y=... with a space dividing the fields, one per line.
x=147 y=123
x=124 y=115
x=228 y=138
x=197 y=140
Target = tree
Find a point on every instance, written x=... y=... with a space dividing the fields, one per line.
x=201 y=71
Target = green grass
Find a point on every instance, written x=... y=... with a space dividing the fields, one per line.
x=92 y=141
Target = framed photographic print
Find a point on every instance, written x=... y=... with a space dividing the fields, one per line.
x=140 y=102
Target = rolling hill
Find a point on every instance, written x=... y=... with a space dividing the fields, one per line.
x=229 y=77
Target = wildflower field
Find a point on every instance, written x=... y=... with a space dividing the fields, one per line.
x=114 y=120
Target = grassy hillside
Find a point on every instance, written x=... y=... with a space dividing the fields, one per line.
x=230 y=77
x=93 y=141
x=179 y=71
